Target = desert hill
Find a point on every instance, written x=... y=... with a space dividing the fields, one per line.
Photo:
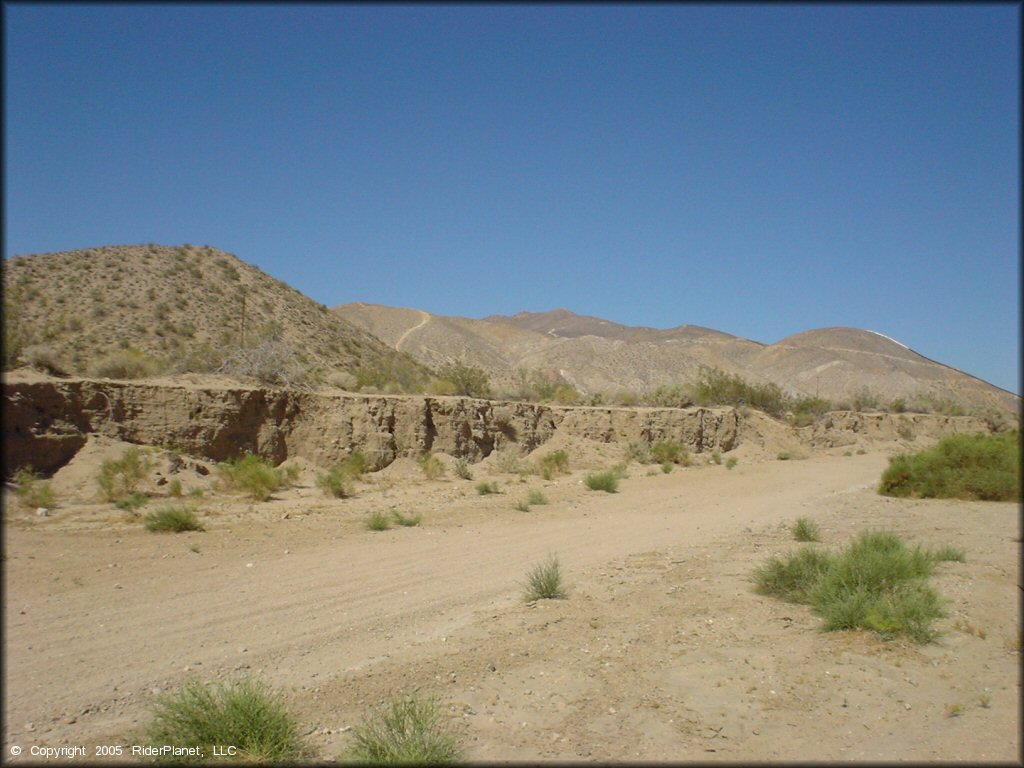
x=596 y=355
x=177 y=308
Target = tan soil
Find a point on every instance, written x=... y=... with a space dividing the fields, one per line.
x=661 y=652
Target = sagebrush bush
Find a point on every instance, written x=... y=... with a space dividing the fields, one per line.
x=172 y=519
x=31 y=490
x=980 y=467
x=405 y=731
x=607 y=481
x=544 y=582
x=119 y=478
x=244 y=713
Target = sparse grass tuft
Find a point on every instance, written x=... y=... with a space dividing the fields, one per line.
x=378 y=522
x=407 y=521
x=486 y=488
x=536 y=497
x=32 y=491
x=556 y=462
x=133 y=502
x=716 y=456
x=174 y=488
x=406 y=731
x=172 y=519
x=981 y=467
x=336 y=483
x=431 y=466
x=805 y=530
x=667 y=466
x=607 y=481
x=731 y=462
x=544 y=582
x=244 y=714
x=948 y=553
x=793 y=580
x=120 y=477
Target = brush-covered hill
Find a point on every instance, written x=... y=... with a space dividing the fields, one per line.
x=595 y=355
x=174 y=309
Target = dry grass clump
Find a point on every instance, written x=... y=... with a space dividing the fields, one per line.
x=338 y=481
x=550 y=464
x=254 y=476
x=607 y=481
x=805 y=530
x=172 y=519
x=119 y=478
x=431 y=466
x=544 y=582
x=126 y=364
x=485 y=489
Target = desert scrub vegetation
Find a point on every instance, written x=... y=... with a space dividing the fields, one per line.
x=406 y=521
x=378 y=521
x=119 y=478
x=877 y=583
x=405 y=731
x=462 y=469
x=338 y=481
x=607 y=481
x=254 y=476
x=126 y=364
x=731 y=462
x=544 y=581
x=554 y=463
x=466 y=380
x=395 y=374
x=32 y=490
x=132 y=502
x=536 y=497
x=244 y=713
x=670 y=451
x=510 y=461
x=431 y=466
x=485 y=489
x=806 y=531
x=978 y=467
x=174 y=519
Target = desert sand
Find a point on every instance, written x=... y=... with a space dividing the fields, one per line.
x=661 y=652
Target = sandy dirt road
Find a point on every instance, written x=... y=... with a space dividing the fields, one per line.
x=661 y=652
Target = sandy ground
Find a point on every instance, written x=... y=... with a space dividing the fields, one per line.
x=662 y=651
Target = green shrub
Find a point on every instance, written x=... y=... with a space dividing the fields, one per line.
x=119 y=478
x=980 y=467
x=671 y=451
x=407 y=521
x=244 y=714
x=550 y=464
x=669 y=396
x=716 y=387
x=667 y=466
x=536 y=497
x=378 y=522
x=406 y=731
x=132 y=502
x=486 y=488
x=947 y=553
x=466 y=380
x=252 y=475
x=607 y=481
x=32 y=490
x=173 y=519
x=126 y=364
x=462 y=469
x=805 y=530
x=337 y=482
x=638 y=451
x=731 y=462
x=544 y=582
x=356 y=464
x=396 y=372
x=174 y=487
x=431 y=466
x=793 y=579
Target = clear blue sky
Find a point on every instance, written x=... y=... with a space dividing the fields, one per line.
x=761 y=170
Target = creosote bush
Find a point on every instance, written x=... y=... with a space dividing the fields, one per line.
x=244 y=713
x=172 y=519
x=405 y=731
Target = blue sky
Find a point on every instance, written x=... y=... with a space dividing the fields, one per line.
x=761 y=170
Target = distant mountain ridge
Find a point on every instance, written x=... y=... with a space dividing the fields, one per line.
x=596 y=355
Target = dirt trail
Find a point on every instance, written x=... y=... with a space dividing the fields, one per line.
x=424 y=321
x=339 y=617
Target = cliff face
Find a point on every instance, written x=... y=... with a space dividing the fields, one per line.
x=46 y=421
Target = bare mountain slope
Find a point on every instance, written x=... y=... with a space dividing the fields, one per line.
x=177 y=304
x=596 y=355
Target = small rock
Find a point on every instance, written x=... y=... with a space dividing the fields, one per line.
x=30 y=727
x=906 y=705
x=243 y=649
x=42 y=512
x=117 y=586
